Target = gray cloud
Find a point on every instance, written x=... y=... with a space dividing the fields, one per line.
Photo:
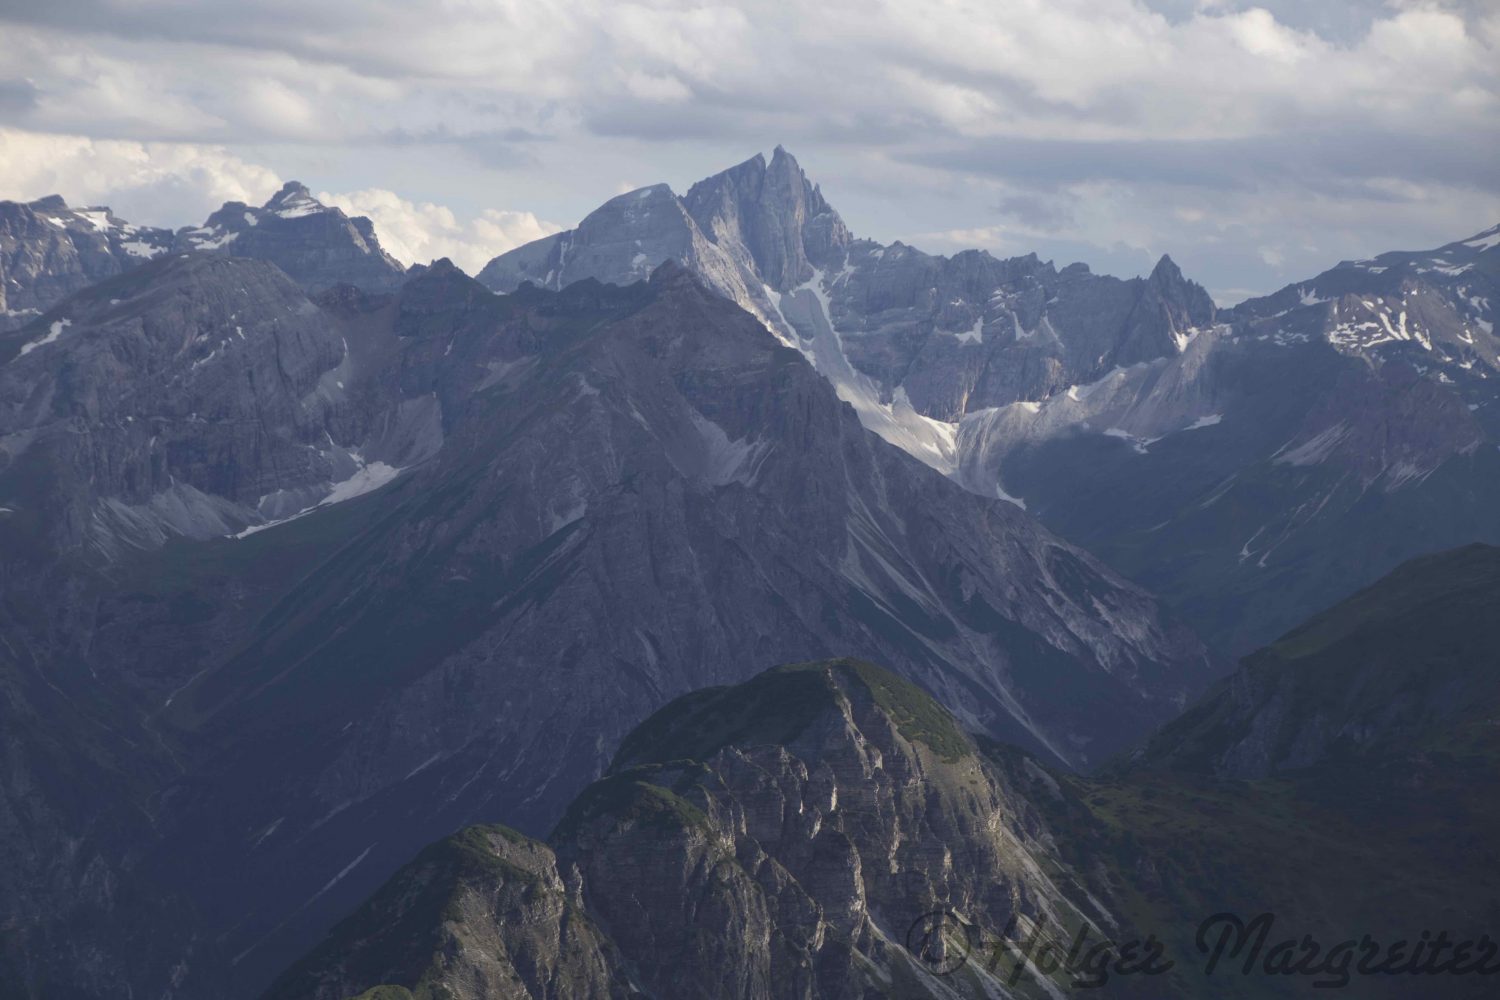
x=1326 y=160
x=1105 y=129
x=16 y=96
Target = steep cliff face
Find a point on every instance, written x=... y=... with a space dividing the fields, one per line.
x=317 y=246
x=776 y=839
x=460 y=543
x=1407 y=661
x=1238 y=461
x=923 y=336
x=770 y=219
x=49 y=251
x=827 y=830
x=167 y=402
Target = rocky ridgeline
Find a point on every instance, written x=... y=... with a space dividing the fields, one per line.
x=48 y=250
x=826 y=830
x=777 y=839
x=337 y=539
x=1231 y=459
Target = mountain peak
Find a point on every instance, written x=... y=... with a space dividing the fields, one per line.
x=294 y=200
x=290 y=190
x=1166 y=269
x=783 y=161
x=51 y=203
x=651 y=192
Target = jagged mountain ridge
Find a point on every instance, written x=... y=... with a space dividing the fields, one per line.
x=49 y=251
x=786 y=838
x=644 y=471
x=195 y=396
x=912 y=341
x=1408 y=660
x=1409 y=449
x=1280 y=462
x=1279 y=433
x=725 y=855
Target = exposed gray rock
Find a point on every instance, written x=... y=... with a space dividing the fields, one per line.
x=826 y=831
x=317 y=246
x=781 y=839
x=1301 y=448
x=195 y=396
x=49 y=251
x=1397 y=664
x=923 y=336
x=611 y=496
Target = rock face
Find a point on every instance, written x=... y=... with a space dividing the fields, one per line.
x=827 y=830
x=311 y=583
x=776 y=839
x=1239 y=462
x=317 y=246
x=1398 y=663
x=49 y=251
x=1297 y=451
x=906 y=337
x=192 y=397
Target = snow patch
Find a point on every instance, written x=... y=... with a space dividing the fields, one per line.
x=366 y=479
x=1485 y=240
x=1186 y=337
x=974 y=334
x=95 y=217
x=932 y=442
x=1000 y=493
x=58 y=326
x=299 y=205
x=140 y=248
x=1139 y=444
x=202 y=240
x=1316 y=449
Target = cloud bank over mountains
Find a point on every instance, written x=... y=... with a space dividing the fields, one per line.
x=1254 y=142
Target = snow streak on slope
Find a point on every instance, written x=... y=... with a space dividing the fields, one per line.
x=805 y=310
x=366 y=479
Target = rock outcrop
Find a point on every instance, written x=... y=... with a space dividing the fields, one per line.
x=826 y=830
x=781 y=838
x=323 y=580
x=49 y=251
x=1238 y=461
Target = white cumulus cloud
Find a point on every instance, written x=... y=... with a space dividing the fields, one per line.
x=160 y=183
x=420 y=232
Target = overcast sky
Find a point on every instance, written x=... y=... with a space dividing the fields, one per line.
x=1257 y=144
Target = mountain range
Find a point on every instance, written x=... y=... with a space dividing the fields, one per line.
x=310 y=561
x=299 y=585
x=828 y=830
x=1248 y=464
x=48 y=250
